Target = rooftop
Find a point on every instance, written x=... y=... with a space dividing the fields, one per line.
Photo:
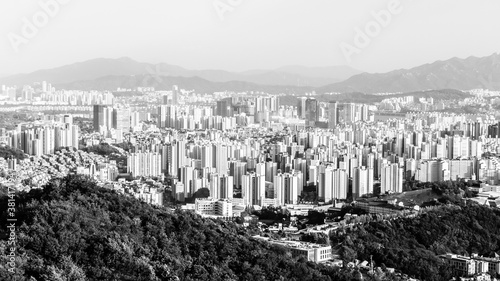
x=293 y=244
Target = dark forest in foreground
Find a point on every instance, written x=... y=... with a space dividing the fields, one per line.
x=413 y=245
x=73 y=230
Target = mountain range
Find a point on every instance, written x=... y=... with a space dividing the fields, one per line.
x=109 y=74
x=455 y=73
x=98 y=68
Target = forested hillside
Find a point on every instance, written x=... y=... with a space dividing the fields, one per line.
x=412 y=245
x=9 y=152
x=73 y=230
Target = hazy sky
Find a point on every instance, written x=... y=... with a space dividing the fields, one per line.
x=247 y=34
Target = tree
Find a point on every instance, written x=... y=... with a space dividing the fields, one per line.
x=348 y=254
x=74 y=230
x=10 y=152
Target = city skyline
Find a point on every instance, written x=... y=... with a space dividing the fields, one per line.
x=250 y=140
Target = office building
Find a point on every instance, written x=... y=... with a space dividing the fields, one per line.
x=122 y=119
x=225 y=108
x=312 y=112
x=332 y=115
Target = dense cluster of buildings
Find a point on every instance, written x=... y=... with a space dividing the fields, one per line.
x=334 y=113
x=357 y=156
x=106 y=118
x=237 y=149
x=45 y=93
x=77 y=98
x=43 y=136
x=248 y=150
x=35 y=171
x=149 y=191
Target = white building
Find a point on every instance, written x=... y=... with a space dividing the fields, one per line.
x=213 y=207
x=146 y=164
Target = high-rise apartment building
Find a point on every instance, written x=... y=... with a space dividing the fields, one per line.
x=175 y=95
x=392 y=177
x=144 y=164
x=362 y=181
x=332 y=115
x=312 y=112
x=103 y=118
x=301 y=107
x=224 y=107
x=122 y=119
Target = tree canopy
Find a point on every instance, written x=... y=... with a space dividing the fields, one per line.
x=412 y=245
x=10 y=152
x=74 y=230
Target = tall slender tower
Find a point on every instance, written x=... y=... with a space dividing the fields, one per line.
x=332 y=114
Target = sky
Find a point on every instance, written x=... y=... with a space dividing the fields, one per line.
x=239 y=35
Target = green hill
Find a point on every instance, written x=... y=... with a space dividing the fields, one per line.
x=10 y=152
x=412 y=245
x=74 y=230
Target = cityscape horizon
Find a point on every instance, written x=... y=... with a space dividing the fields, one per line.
x=250 y=140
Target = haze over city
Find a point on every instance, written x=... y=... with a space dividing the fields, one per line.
x=244 y=35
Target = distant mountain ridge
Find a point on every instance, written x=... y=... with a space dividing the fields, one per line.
x=108 y=74
x=455 y=73
x=98 y=68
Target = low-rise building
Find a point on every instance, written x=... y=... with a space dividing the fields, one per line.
x=378 y=206
x=214 y=207
x=312 y=252
x=460 y=265
x=490 y=265
x=467 y=266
